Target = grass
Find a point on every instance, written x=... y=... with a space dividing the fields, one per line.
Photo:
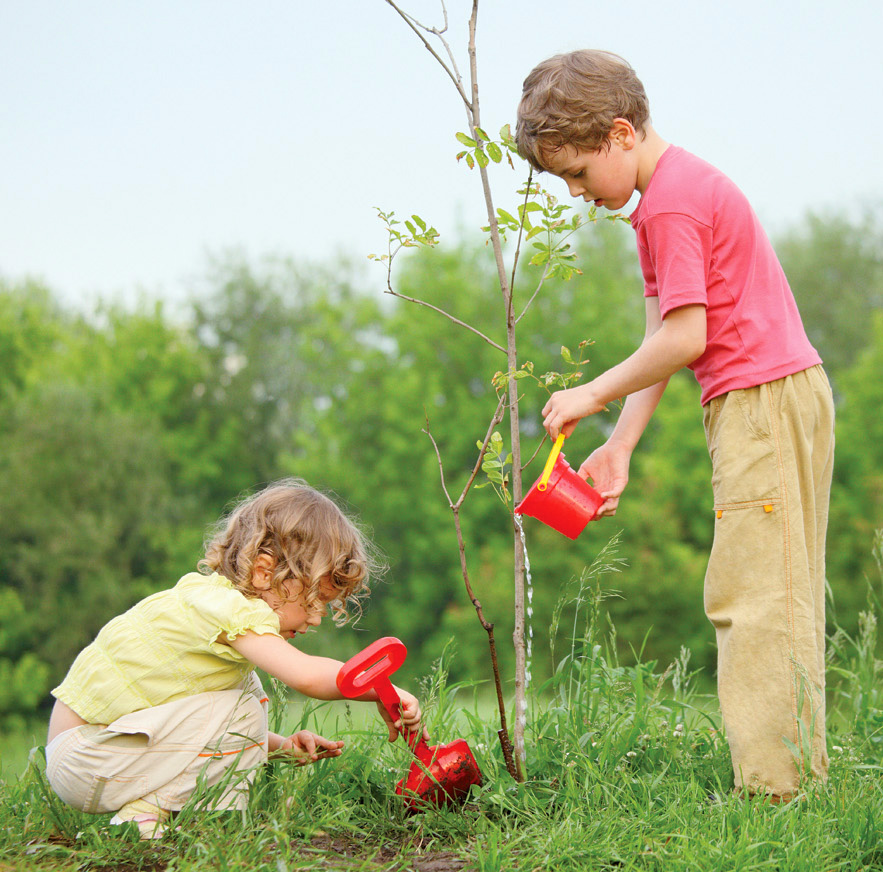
x=626 y=771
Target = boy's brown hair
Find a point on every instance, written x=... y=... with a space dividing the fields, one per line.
x=573 y=99
x=309 y=539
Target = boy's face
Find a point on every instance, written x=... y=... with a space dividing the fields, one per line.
x=607 y=177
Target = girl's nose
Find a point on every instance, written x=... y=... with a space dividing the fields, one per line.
x=315 y=617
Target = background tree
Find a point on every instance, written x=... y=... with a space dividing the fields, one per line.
x=124 y=433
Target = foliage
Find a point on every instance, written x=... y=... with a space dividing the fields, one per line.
x=834 y=264
x=123 y=434
x=24 y=678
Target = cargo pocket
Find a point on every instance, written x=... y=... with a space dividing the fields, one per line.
x=746 y=568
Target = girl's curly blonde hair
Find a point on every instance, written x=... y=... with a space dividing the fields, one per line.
x=573 y=99
x=308 y=538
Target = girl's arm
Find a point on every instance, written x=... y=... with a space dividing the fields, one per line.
x=316 y=676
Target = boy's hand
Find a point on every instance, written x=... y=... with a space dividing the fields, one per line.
x=306 y=747
x=410 y=717
x=608 y=468
x=566 y=407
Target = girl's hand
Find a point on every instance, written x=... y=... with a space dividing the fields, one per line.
x=410 y=718
x=306 y=747
x=608 y=468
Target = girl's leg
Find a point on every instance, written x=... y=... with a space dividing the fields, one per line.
x=162 y=755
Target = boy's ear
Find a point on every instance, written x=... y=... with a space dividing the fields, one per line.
x=262 y=572
x=622 y=133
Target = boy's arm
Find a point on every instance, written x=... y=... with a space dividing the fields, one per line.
x=668 y=346
x=608 y=465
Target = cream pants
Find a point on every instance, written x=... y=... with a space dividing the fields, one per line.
x=772 y=453
x=163 y=754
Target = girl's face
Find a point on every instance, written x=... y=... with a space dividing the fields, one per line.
x=295 y=615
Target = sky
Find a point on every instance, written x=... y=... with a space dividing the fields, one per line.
x=138 y=141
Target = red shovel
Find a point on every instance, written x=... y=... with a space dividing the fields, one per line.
x=447 y=771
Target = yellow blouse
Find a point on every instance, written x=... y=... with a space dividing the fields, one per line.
x=164 y=648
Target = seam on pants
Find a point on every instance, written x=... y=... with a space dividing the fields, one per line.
x=789 y=585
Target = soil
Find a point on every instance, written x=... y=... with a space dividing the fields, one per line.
x=335 y=853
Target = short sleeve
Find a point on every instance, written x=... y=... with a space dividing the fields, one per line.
x=679 y=249
x=216 y=608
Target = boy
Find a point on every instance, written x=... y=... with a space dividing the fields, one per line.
x=717 y=302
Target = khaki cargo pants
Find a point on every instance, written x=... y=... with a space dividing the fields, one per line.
x=164 y=754
x=772 y=453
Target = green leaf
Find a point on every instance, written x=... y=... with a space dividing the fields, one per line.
x=482 y=158
x=462 y=137
x=481 y=134
x=565 y=353
x=494 y=152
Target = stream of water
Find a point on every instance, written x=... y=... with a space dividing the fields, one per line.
x=528 y=580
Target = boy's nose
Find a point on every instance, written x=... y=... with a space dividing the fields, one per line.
x=575 y=188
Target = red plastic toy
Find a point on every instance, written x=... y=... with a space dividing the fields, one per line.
x=444 y=773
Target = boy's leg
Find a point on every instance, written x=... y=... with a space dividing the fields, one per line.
x=772 y=458
x=160 y=755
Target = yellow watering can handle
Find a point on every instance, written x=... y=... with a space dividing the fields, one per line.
x=543 y=483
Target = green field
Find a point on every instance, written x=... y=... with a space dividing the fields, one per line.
x=626 y=769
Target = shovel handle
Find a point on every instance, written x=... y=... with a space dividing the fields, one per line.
x=550 y=463
x=370 y=670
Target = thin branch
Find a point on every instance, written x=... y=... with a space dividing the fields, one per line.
x=416 y=27
x=447 y=315
x=498 y=416
x=512 y=764
x=533 y=296
x=520 y=233
x=529 y=462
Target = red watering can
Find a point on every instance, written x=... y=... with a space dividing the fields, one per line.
x=444 y=772
x=560 y=498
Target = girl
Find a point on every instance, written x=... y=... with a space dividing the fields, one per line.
x=166 y=696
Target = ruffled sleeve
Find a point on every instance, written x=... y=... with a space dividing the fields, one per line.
x=219 y=609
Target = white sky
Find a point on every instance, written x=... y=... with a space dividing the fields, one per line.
x=138 y=138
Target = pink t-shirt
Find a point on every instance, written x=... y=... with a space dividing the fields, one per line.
x=699 y=241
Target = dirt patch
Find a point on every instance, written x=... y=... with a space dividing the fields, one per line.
x=338 y=853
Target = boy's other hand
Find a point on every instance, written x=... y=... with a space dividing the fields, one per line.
x=608 y=469
x=306 y=747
